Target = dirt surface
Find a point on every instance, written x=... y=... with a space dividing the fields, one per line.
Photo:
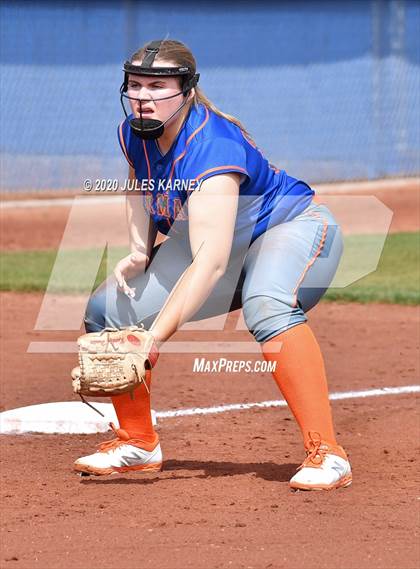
x=222 y=499
x=364 y=346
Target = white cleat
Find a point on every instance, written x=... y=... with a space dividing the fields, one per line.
x=326 y=467
x=118 y=456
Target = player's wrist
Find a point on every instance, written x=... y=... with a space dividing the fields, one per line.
x=153 y=355
x=158 y=341
x=138 y=250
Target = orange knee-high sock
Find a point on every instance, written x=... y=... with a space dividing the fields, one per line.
x=300 y=375
x=134 y=415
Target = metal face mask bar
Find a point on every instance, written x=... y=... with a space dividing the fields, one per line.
x=151 y=128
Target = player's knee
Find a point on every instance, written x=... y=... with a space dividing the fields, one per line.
x=108 y=310
x=95 y=314
x=267 y=317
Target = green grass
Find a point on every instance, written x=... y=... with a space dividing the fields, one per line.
x=396 y=279
x=74 y=271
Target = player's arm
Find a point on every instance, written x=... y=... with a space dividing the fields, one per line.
x=212 y=214
x=142 y=231
x=142 y=234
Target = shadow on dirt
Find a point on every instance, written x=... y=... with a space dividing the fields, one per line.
x=181 y=469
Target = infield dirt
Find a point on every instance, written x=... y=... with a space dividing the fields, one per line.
x=222 y=499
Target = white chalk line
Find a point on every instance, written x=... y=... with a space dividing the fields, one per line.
x=281 y=403
x=73 y=417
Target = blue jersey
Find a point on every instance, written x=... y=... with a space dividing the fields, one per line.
x=208 y=145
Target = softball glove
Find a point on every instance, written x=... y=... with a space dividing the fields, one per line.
x=112 y=362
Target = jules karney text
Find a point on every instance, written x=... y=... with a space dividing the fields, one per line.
x=163 y=185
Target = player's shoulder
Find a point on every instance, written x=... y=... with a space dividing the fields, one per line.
x=206 y=126
x=125 y=131
x=129 y=142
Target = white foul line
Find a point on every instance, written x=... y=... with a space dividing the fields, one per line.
x=73 y=417
x=281 y=403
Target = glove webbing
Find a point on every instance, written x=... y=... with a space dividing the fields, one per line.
x=140 y=380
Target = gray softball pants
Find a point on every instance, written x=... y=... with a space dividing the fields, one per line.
x=282 y=275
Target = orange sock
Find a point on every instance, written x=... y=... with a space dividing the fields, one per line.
x=300 y=375
x=134 y=415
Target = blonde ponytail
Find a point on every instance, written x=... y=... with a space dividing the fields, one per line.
x=200 y=97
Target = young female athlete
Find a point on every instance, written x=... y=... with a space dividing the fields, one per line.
x=241 y=233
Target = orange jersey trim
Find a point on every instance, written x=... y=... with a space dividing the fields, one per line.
x=147 y=160
x=217 y=168
x=197 y=130
x=249 y=139
x=252 y=143
x=317 y=199
x=124 y=149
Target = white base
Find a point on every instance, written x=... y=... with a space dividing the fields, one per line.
x=67 y=417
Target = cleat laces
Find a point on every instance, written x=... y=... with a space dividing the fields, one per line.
x=316 y=452
x=123 y=438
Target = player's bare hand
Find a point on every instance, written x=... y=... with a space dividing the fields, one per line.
x=129 y=267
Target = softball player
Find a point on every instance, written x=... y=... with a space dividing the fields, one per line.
x=241 y=234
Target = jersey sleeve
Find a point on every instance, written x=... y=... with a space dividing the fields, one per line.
x=124 y=138
x=216 y=156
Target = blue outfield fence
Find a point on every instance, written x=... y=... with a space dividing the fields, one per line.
x=329 y=90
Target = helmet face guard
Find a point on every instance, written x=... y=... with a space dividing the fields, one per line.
x=145 y=128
